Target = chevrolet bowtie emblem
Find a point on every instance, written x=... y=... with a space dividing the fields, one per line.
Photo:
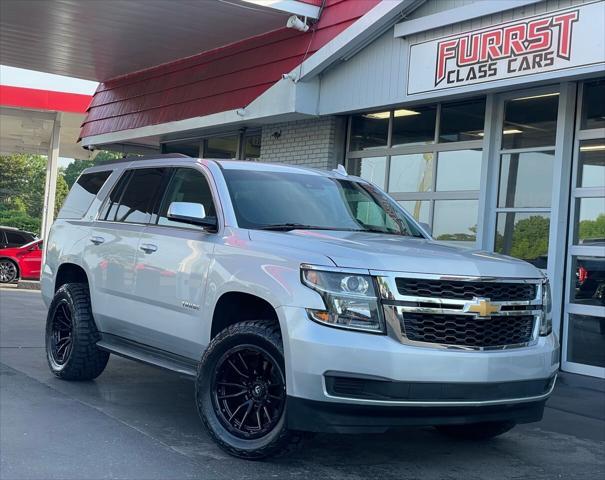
x=482 y=307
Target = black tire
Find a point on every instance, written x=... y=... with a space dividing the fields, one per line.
x=250 y=338
x=9 y=270
x=477 y=431
x=71 y=335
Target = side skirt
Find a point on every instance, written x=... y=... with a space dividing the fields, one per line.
x=147 y=354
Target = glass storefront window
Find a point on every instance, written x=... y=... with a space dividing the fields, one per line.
x=530 y=121
x=190 y=148
x=590 y=221
x=221 y=147
x=459 y=170
x=524 y=236
x=593 y=105
x=371 y=169
x=456 y=221
x=369 y=131
x=586 y=340
x=411 y=173
x=591 y=172
x=589 y=284
x=526 y=180
x=252 y=147
x=462 y=121
x=419 y=209
x=414 y=126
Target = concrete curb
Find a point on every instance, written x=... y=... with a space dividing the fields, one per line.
x=22 y=285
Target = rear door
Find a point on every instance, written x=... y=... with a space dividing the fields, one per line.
x=172 y=268
x=111 y=250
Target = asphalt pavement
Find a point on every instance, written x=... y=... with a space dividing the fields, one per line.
x=139 y=422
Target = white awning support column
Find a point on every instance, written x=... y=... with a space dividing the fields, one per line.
x=50 y=187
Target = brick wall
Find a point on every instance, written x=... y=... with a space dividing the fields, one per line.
x=318 y=142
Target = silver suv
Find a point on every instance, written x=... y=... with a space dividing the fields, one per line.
x=298 y=301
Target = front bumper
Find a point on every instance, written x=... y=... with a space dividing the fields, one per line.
x=418 y=378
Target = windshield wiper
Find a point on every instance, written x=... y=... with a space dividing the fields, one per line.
x=291 y=226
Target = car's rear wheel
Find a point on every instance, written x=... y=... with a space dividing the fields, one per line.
x=477 y=431
x=71 y=335
x=8 y=271
x=241 y=391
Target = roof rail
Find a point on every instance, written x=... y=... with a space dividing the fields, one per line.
x=158 y=156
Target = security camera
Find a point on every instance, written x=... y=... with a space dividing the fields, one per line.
x=297 y=24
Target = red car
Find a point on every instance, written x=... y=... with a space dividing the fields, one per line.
x=22 y=262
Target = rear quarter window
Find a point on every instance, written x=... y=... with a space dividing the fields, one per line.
x=82 y=194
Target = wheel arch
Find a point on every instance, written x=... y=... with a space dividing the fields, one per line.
x=70 y=273
x=238 y=306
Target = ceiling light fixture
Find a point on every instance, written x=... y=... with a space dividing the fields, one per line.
x=592 y=148
x=508 y=131
x=555 y=94
x=402 y=112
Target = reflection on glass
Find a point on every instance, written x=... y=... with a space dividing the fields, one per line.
x=593 y=105
x=419 y=209
x=459 y=170
x=589 y=288
x=190 y=148
x=371 y=169
x=221 y=147
x=590 y=221
x=524 y=236
x=530 y=121
x=591 y=171
x=456 y=221
x=586 y=340
x=462 y=121
x=411 y=173
x=369 y=131
x=414 y=126
x=526 y=180
x=252 y=147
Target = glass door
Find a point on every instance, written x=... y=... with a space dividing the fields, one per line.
x=584 y=313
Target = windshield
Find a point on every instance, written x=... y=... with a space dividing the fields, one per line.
x=285 y=201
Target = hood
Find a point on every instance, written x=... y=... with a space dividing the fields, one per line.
x=374 y=251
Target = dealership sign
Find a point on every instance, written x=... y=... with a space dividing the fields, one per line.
x=558 y=40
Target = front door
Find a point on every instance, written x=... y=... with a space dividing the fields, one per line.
x=171 y=272
x=584 y=301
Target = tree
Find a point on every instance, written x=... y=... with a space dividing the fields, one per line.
x=74 y=169
x=22 y=180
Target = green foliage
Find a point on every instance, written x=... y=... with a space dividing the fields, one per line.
x=22 y=180
x=529 y=238
x=73 y=170
x=592 y=229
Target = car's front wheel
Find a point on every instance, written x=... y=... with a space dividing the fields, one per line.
x=477 y=431
x=241 y=391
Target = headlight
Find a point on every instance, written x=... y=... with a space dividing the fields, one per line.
x=546 y=322
x=350 y=299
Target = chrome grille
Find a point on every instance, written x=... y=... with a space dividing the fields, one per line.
x=466 y=330
x=470 y=313
x=462 y=290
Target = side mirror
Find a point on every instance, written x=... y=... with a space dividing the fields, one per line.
x=426 y=227
x=192 y=213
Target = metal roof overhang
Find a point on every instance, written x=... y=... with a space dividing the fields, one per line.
x=99 y=40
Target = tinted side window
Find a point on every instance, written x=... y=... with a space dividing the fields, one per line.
x=140 y=196
x=187 y=185
x=16 y=239
x=82 y=194
x=108 y=211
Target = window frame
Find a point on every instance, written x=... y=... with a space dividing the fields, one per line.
x=435 y=148
x=185 y=226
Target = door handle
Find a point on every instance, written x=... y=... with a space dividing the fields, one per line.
x=148 y=247
x=97 y=240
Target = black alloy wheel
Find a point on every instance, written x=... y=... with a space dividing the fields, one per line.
x=61 y=334
x=8 y=271
x=248 y=391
